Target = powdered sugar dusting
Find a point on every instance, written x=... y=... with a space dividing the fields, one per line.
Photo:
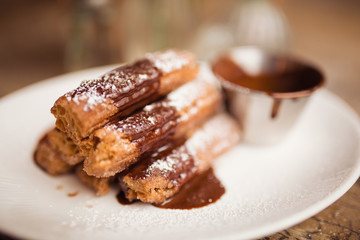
x=91 y=97
x=221 y=129
x=115 y=85
x=151 y=118
x=170 y=60
x=171 y=162
x=188 y=94
x=162 y=165
x=206 y=74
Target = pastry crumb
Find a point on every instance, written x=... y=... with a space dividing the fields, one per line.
x=73 y=194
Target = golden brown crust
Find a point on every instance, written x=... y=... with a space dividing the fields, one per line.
x=55 y=162
x=101 y=185
x=175 y=79
x=62 y=144
x=77 y=123
x=156 y=190
x=213 y=138
x=113 y=153
x=196 y=111
x=50 y=160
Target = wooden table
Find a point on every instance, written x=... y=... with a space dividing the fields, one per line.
x=326 y=32
x=339 y=221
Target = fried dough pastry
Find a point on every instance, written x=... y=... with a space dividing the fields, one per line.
x=121 y=91
x=116 y=146
x=52 y=152
x=161 y=174
x=100 y=185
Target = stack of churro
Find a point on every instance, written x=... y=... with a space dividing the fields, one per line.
x=152 y=125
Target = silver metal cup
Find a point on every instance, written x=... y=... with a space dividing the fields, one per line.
x=265 y=115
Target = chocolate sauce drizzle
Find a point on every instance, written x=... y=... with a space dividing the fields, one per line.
x=124 y=85
x=151 y=127
x=202 y=190
x=171 y=161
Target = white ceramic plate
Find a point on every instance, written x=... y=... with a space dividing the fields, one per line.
x=267 y=188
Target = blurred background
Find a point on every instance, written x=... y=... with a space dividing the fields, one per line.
x=41 y=39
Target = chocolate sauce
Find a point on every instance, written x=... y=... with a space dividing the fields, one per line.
x=172 y=162
x=281 y=75
x=202 y=190
x=122 y=199
x=275 y=107
x=175 y=165
x=167 y=168
x=124 y=85
x=151 y=127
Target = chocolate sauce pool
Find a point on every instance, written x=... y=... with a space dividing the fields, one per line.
x=279 y=77
x=201 y=190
